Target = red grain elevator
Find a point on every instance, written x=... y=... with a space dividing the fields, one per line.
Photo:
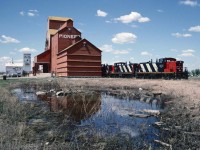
x=66 y=53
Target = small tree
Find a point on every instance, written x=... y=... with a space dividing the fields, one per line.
x=197 y=72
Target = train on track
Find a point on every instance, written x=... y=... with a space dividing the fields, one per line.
x=166 y=68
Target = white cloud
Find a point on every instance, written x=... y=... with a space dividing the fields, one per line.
x=109 y=49
x=33 y=10
x=143 y=19
x=30 y=13
x=101 y=13
x=120 y=52
x=107 y=21
x=133 y=16
x=27 y=50
x=191 y=3
x=179 y=35
x=145 y=53
x=7 y=39
x=124 y=37
x=5 y=59
x=187 y=53
x=106 y=48
x=160 y=10
x=194 y=29
x=22 y=13
x=19 y=60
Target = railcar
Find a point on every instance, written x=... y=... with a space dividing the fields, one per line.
x=168 y=68
x=119 y=69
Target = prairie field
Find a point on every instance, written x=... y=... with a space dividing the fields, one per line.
x=27 y=124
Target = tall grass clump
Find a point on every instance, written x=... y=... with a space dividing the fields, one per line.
x=15 y=133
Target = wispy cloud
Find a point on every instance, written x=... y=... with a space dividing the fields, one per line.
x=187 y=53
x=101 y=13
x=109 y=49
x=160 y=10
x=191 y=3
x=108 y=21
x=133 y=16
x=27 y=50
x=6 y=39
x=22 y=13
x=145 y=53
x=5 y=59
x=29 y=13
x=194 y=29
x=12 y=53
x=174 y=50
x=124 y=37
x=179 y=35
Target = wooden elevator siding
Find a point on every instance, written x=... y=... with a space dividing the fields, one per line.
x=80 y=61
x=44 y=57
x=54 y=52
x=55 y=24
x=66 y=42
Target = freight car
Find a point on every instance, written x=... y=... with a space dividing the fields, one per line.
x=168 y=68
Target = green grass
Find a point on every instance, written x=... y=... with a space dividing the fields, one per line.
x=4 y=83
x=10 y=81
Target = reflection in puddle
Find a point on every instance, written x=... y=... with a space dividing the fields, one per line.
x=25 y=95
x=114 y=117
x=78 y=107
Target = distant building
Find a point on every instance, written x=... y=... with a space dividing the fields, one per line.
x=27 y=62
x=14 y=69
x=66 y=53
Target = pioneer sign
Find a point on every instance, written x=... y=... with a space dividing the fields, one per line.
x=66 y=36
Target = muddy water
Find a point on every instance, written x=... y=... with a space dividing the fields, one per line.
x=101 y=112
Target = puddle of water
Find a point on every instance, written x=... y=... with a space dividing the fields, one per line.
x=113 y=117
x=26 y=96
x=104 y=113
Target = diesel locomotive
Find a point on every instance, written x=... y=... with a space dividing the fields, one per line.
x=167 y=68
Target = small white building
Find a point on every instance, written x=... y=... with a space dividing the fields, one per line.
x=14 y=69
x=27 y=62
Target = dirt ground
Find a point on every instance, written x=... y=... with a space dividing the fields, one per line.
x=185 y=93
x=189 y=90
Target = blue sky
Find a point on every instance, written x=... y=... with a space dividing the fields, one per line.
x=125 y=30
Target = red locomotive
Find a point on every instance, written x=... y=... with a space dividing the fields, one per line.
x=168 y=68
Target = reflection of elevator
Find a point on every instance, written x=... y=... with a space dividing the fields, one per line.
x=77 y=106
